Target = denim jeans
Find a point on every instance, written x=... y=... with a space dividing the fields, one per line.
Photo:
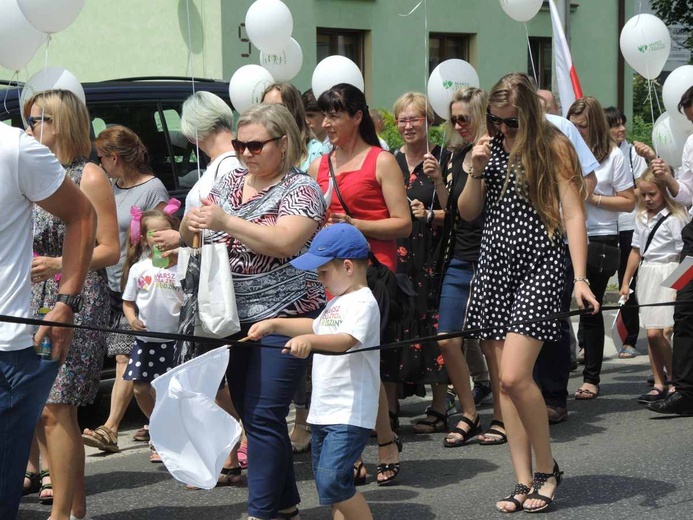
x=335 y=450
x=25 y=381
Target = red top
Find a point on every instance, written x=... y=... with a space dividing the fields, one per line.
x=364 y=196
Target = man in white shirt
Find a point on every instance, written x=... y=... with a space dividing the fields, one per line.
x=31 y=174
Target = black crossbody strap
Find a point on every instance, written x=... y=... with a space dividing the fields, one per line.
x=652 y=233
x=336 y=186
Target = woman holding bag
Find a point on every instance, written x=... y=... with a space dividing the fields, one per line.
x=267 y=213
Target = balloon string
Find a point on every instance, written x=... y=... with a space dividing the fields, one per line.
x=45 y=68
x=7 y=91
x=649 y=94
x=531 y=57
x=425 y=2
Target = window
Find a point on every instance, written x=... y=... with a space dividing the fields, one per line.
x=445 y=47
x=343 y=42
x=541 y=53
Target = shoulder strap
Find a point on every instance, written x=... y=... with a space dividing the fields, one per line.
x=652 y=233
x=336 y=186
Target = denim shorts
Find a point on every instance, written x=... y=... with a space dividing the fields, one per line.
x=454 y=295
x=335 y=450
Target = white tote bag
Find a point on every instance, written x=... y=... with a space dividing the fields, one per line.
x=216 y=301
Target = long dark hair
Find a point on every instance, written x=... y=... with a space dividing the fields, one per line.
x=344 y=97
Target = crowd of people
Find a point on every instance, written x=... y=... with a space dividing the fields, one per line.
x=336 y=245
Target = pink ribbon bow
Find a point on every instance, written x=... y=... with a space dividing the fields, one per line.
x=135 y=222
x=172 y=206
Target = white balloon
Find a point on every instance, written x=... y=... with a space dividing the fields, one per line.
x=247 y=86
x=269 y=25
x=51 y=16
x=668 y=141
x=52 y=78
x=678 y=82
x=334 y=70
x=19 y=40
x=286 y=64
x=645 y=44
x=446 y=78
x=521 y=10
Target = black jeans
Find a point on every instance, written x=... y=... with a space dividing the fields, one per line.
x=593 y=324
x=552 y=369
x=682 y=376
x=629 y=311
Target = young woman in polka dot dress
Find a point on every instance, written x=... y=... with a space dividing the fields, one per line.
x=151 y=287
x=529 y=180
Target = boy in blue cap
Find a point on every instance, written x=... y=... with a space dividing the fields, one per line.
x=344 y=402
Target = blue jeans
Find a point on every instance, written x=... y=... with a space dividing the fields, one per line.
x=25 y=381
x=335 y=450
x=262 y=382
x=454 y=295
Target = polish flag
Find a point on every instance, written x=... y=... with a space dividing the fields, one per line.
x=619 y=332
x=681 y=276
x=568 y=83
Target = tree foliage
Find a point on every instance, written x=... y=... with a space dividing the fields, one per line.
x=673 y=12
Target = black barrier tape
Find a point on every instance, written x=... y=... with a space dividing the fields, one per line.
x=387 y=346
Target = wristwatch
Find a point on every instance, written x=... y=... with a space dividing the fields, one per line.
x=430 y=216
x=74 y=302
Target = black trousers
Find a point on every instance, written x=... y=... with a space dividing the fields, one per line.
x=552 y=369
x=682 y=376
x=629 y=312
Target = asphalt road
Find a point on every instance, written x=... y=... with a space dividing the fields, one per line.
x=620 y=461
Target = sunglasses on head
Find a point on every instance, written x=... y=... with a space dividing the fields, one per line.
x=33 y=121
x=254 y=147
x=460 y=120
x=498 y=121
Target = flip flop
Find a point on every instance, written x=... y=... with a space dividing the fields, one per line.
x=627 y=352
x=502 y=437
x=584 y=394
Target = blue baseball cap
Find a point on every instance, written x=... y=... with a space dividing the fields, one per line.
x=335 y=241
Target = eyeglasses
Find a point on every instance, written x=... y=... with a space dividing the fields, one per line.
x=460 y=120
x=33 y=121
x=498 y=121
x=413 y=121
x=254 y=147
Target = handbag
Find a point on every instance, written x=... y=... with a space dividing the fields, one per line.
x=603 y=257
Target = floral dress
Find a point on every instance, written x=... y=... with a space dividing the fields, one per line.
x=78 y=378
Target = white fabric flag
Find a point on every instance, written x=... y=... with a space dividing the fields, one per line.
x=190 y=432
x=566 y=77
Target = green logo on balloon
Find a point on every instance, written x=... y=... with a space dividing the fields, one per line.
x=642 y=48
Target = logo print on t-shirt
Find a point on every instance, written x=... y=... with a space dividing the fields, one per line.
x=144 y=282
x=332 y=317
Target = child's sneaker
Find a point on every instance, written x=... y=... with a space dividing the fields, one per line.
x=481 y=393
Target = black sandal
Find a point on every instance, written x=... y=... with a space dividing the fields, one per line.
x=34 y=483
x=520 y=489
x=474 y=430
x=503 y=438
x=289 y=515
x=393 y=467
x=539 y=480
x=46 y=501
x=360 y=479
x=438 y=424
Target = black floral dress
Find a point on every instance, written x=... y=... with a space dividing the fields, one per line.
x=78 y=378
x=418 y=259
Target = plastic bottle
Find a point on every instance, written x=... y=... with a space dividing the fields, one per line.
x=44 y=348
x=157 y=259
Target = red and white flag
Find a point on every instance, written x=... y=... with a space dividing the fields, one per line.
x=566 y=78
x=681 y=276
x=619 y=331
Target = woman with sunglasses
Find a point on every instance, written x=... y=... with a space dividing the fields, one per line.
x=267 y=212
x=124 y=158
x=614 y=194
x=369 y=182
x=523 y=172
x=59 y=120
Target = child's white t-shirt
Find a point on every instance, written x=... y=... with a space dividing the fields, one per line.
x=346 y=387
x=158 y=295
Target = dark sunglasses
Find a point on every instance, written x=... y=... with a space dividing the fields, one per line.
x=254 y=147
x=497 y=121
x=460 y=120
x=33 y=121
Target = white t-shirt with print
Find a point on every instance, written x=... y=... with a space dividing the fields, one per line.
x=346 y=387
x=29 y=173
x=613 y=175
x=158 y=295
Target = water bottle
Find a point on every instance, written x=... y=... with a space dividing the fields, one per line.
x=157 y=259
x=44 y=348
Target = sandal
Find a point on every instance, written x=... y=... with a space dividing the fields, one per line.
x=301 y=448
x=154 y=456
x=393 y=467
x=45 y=500
x=466 y=436
x=360 y=479
x=537 y=483
x=520 y=489
x=501 y=437
x=243 y=456
x=627 y=352
x=584 y=393
x=102 y=438
x=438 y=424
x=225 y=479
x=659 y=395
x=34 y=483
x=289 y=515
x=142 y=435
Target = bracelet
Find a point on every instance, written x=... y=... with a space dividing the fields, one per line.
x=581 y=279
x=478 y=177
x=430 y=216
x=599 y=201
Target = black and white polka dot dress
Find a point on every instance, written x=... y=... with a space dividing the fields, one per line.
x=521 y=271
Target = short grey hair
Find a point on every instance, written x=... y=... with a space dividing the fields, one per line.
x=205 y=114
x=278 y=122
